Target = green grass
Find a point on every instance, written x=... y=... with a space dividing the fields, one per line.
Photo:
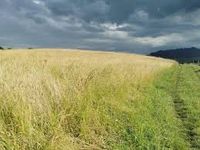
x=94 y=100
x=190 y=93
x=181 y=83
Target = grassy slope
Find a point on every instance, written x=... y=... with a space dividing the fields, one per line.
x=181 y=87
x=89 y=100
x=190 y=94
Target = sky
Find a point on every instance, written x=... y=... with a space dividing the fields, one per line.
x=139 y=26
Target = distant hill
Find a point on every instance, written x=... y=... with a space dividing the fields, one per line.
x=183 y=55
x=1 y=48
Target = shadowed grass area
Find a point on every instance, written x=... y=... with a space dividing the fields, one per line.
x=86 y=100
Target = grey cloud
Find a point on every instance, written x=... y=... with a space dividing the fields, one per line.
x=136 y=26
x=118 y=10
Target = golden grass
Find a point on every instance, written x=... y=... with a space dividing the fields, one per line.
x=69 y=99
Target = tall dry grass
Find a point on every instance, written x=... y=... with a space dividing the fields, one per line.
x=72 y=99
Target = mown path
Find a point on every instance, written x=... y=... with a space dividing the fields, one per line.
x=189 y=122
x=197 y=72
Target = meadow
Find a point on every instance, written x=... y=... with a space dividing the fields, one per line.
x=72 y=99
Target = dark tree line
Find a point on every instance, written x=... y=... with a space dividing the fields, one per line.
x=182 y=55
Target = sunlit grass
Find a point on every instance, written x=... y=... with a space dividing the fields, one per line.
x=81 y=100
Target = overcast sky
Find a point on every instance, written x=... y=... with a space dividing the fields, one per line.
x=138 y=26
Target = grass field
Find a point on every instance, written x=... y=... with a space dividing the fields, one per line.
x=59 y=100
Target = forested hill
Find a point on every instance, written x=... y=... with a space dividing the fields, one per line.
x=182 y=55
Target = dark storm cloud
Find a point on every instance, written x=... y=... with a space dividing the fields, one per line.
x=131 y=25
x=119 y=10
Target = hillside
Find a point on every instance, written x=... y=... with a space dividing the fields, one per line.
x=72 y=100
x=182 y=55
